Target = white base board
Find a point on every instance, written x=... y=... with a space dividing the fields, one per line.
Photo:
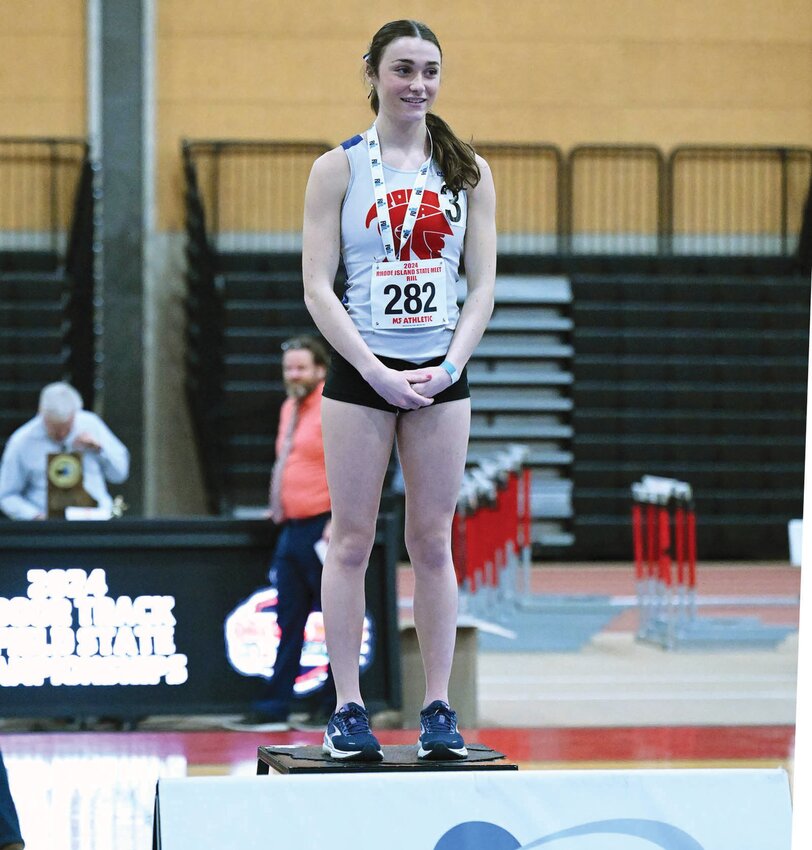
x=565 y=810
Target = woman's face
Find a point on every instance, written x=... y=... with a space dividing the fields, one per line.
x=408 y=78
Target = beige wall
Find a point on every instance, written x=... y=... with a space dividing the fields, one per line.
x=560 y=71
x=42 y=68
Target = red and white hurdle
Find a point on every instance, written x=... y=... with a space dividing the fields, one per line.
x=664 y=534
x=491 y=535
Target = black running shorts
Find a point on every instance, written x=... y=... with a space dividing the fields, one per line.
x=344 y=383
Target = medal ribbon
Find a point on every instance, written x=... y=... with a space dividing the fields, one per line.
x=382 y=208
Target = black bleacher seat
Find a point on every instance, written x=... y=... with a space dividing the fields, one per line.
x=262 y=305
x=675 y=341
x=32 y=334
x=698 y=377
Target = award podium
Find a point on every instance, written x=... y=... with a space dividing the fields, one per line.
x=310 y=760
x=65 y=484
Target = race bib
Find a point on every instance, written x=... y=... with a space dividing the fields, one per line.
x=409 y=294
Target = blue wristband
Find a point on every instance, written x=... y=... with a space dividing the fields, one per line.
x=451 y=369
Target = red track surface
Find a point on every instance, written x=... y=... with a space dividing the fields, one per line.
x=521 y=745
x=717 y=579
x=750 y=579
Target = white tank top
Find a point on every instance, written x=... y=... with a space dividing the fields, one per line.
x=438 y=232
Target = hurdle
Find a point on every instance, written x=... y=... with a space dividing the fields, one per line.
x=664 y=544
x=662 y=512
x=491 y=544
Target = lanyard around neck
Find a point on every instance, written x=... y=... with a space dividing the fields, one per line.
x=379 y=188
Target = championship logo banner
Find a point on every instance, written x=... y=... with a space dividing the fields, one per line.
x=252 y=639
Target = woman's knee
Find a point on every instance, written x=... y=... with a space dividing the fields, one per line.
x=351 y=547
x=429 y=548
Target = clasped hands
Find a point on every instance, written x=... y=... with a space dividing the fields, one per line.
x=411 y=388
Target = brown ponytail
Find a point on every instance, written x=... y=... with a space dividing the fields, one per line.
x=455 y=158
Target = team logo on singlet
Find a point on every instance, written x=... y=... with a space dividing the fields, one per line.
x=430 y=230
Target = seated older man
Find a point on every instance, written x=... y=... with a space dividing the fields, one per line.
x=61 y=425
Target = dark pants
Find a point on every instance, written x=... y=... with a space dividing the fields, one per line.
x=296 y=572
x=9 y=825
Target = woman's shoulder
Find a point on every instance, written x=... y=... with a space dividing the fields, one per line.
x=485 y=183
x=332 y=160
x=331 y=170
x=482 y=162
x=353 y=142
x=337 y=157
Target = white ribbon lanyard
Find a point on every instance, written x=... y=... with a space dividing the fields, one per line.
x=379 y=188
x=404 y=294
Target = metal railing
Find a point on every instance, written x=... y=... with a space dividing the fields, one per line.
x=253 y=192
x=615 y=200
x=39 y=180
x=48 y=200
x=736 y=200
x=204 y=333
x=595 y=199
x=532 y=197
x=80 y=325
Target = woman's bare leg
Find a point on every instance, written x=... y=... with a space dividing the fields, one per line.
x=357 y=447
x=433 y=444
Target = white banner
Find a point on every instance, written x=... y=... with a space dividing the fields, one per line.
x=480 y=810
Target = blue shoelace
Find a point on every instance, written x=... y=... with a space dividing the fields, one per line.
x=440 y=720
x=353 y=720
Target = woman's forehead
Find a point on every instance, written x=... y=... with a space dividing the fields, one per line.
x=409 y=47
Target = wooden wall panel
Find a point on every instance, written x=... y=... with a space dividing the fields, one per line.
x=558 y=71
x=42 y=68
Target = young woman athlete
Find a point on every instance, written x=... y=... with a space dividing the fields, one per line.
x=398 y=205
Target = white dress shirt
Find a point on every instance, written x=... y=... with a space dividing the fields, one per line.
x=23 y=475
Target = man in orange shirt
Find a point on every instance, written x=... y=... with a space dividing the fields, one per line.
x=300 y=505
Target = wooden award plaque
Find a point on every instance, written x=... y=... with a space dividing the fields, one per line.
x=65 y=484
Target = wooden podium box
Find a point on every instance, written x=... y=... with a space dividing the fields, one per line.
x=396 y=759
